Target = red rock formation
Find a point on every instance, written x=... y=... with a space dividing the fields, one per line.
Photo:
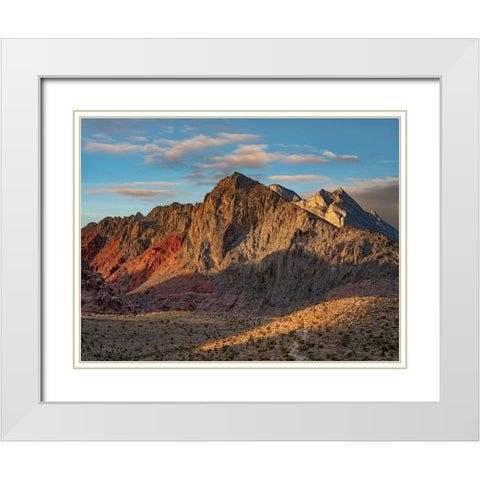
x=92 y=243
x=109 y=259
x=139 y=269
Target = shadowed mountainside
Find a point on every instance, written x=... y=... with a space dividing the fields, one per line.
x=245 y=248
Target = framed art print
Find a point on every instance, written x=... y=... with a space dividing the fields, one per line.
x=228 y=250
x=206 y=269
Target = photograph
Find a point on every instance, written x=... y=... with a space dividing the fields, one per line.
x=255 y=238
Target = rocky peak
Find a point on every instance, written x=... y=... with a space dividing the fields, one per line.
x=233 y=208
x=236 y=181
x=324 y=197
x=340 y=195
x=340 y=209
x=285 y=193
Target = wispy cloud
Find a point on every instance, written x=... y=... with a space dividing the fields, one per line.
x=304 y=158
x=139 y=194
x=137 y=139
x=313 y=155
x=299 y=178
x=131 y=184
x=130 y=192
x=119 y=148
x=189 y=128
x=297 y=146
x=254 y=156
x=168 y=129
x=367 y=184
x=341 y=158
x=103 y=136
x=160 y=184
x=197 y=177
x=180 y=148
x=246 y=156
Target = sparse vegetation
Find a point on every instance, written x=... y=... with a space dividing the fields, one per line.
x=350 y=329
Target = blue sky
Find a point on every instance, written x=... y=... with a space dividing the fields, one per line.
x=131 y=165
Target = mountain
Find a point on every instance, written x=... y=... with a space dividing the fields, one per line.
x=246 y=248
x=285 y=193
x=340 y=209
x=98 y=297
x=110 y=243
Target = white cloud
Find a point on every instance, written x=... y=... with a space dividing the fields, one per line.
x=120 y=148
x=137 y=139
x=180 y=148
x=305 y=158
x=246 y=156
x=103 y=136
x=170 y=149
x=341 y=158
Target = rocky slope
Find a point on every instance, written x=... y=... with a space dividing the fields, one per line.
x=137 y=232
x=139 y=269
x=340 y=209
x=99 y=297
x=285 y=193
x=245 y=249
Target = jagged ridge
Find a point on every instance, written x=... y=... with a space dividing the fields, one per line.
x=340 y=209
x=256 y=249
x=285 y=193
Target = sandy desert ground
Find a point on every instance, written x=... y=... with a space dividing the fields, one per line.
x=349 y=329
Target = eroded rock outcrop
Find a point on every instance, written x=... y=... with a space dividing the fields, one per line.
x=340 y=209
x=139 y=269
x=98 y=296
x=244 y=248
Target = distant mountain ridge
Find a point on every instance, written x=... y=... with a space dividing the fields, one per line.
x=340 y=209
x=246 y=247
